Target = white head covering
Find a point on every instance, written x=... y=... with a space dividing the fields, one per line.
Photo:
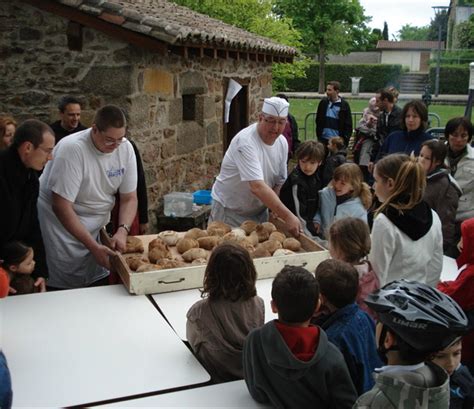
x=275 y=106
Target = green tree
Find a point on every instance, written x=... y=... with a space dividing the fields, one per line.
x=413 y=33
x=441 y=19
x=257 y=16
x=465 y=33
x=385 y=31
x=324 y=25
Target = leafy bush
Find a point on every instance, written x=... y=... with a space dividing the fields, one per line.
x=374 y=76
x=453 y=79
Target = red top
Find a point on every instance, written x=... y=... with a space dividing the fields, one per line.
x=461 y=290
x=4 y=283
x=302 y=341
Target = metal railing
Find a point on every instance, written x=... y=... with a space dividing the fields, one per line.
x=308 y=131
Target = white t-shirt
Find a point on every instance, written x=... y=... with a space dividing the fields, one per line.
x=247 y=159
x=82 y=174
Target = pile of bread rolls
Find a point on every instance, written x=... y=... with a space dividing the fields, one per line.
x=261 y=240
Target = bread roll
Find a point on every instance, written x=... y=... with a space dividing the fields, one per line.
x=208 y=242
x=271 y=245
x=170 y=237
x=282 y=252
x=219 y=225
x=269 y=227
x=184 y=245
x=278 y=236
x=248 y=226
x=194 y=254
x=134 y=245
x=292 y=244
x=262 y=233
x=158 y=252
x=147 y=267
x=195 y=233
x=134 y=262
x=259 y=252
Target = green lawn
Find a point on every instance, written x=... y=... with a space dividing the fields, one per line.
x=301 y=107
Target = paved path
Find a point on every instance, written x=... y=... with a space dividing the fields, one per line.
x=453 y=99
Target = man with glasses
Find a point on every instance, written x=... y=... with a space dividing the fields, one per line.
x=253 y=171
x=77 y=193
x=31 y=149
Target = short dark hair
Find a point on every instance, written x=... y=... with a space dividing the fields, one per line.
x=13 y=253
x=66 y=100
x=455 y=123
x=109 y=116
x=230 y=274
x=335 y=84
x=295 y=293
x=312 y=150
x=438 y=149
x=420 y=108
x=32 y=130
x=386 y=94
x=338 y=282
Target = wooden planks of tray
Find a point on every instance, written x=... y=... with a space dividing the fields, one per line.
x=183 y=278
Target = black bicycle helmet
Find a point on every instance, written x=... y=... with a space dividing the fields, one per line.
x=423 y=317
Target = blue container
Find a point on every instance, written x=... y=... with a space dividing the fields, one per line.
x=202 y=197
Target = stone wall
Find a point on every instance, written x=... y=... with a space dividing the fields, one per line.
x=37 y=68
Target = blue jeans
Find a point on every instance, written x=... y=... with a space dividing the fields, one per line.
x=6 y=393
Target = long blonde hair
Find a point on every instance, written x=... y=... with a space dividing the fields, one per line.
x=409 y=181
x=351 y=173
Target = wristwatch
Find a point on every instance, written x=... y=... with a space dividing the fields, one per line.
x=125 y=226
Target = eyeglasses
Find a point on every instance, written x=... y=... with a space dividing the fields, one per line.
x=273 y=122
x=111 y=141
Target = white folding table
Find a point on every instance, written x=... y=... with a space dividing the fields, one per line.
x=224 y=395
x=175 y=305
x=76 y=347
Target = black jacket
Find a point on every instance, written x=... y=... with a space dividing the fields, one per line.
x=60 y=132
x=345 y=119
x=385 y=126
x=307 y=195
x=19 y=189
x=332 y=161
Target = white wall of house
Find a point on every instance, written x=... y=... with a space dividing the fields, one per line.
x=409 y=59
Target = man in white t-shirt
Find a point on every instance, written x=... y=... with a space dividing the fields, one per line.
x=253 y=171
x=77 y=193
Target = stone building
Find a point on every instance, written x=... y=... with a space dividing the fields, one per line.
x=168 y=66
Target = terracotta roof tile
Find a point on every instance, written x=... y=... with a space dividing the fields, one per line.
x=177 y=25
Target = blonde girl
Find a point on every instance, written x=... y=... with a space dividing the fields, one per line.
x=349 y=241
x=347 y=195
x=407 y=241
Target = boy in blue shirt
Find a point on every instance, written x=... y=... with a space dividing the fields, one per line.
x=346 y=325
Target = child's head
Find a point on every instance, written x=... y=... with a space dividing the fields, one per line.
x=295 y=295
x=449 y=358
x=400 y=182
x=335 y=144
x=230 y=274
x=349 y=240
x=415 y=320
x=349 y=180
x=309 y=155
x=432 y=154
x=458 y=133
x=17 y=258
x=338 y=283
x=373 y=108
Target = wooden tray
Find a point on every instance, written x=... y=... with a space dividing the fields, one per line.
x=183 y=278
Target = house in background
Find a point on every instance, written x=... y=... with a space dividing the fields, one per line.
x=167 y=66
x=414 y=55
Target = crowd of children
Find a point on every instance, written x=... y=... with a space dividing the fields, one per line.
x=368 y=328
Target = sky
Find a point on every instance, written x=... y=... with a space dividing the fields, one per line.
x=400 y=12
